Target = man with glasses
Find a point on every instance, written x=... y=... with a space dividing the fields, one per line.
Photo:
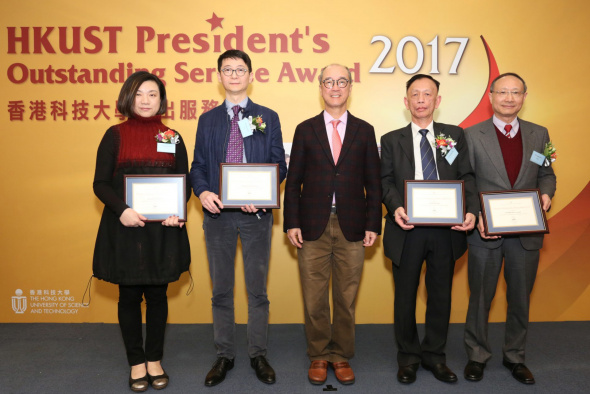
x=500 y=152
x=411 y=153
x=332 y=211
x=220 y=139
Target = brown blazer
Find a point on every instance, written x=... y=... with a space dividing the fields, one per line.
x=313 y=177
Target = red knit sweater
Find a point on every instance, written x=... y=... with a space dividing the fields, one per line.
x=512 y=153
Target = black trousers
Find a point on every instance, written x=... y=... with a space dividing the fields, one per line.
x=433 y=245
x=130 y=298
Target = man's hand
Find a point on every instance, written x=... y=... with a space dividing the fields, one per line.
x=467 y=224
x=130 y=218
x=481 y=230
x=294 y=235
x=370 y=238
x=172 y=221
x=401 y=218
x=211 y=201
x=546 y=202
x=250 y=208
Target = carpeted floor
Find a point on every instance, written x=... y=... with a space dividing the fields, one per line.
x=90 y=358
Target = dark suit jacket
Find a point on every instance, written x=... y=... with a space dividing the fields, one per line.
x=212 y=139
x=397 y=165
x=488 y=163
x=313 y=178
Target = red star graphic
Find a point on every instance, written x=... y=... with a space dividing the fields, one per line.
x=215 y=22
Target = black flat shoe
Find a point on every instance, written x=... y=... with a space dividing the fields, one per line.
x=441 y=372
x=264 y=371
x=520 y=372
x=474 y=371
x=138 y=385
x=407 y=373
x=159 y=382
x=218 y=371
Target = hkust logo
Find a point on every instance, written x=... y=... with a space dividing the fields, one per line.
x=19 y=302
x=49 y=302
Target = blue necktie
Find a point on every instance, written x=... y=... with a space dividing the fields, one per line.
x=428 y=164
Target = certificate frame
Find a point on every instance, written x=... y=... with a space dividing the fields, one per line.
x=450 y=194
x=159 y=206
x=249 y=183
x=528 y=217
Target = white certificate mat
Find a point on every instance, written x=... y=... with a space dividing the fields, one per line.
x=436 y=203
x=248 y=185
x=513 y=212
x=154 y=198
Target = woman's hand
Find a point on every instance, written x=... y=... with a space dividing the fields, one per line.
x=130 y=218
x=172 y=221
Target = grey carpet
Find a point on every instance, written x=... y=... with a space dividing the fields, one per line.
x=89 y=358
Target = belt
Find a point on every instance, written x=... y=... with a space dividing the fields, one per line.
x=333 y=210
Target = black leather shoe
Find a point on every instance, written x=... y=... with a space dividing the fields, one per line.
x=407 y=373
x=264 y=371
x=520 y=372
x=218 y=371
x=441 y=372
x=474 y=371
x=138 y=385
x=159 y=382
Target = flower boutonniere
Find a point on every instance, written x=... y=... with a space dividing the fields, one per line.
x=256 y=123
x=166 y=141
x=444 y=143
x=167 y=137
x=550 y=154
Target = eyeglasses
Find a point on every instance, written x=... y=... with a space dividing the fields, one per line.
x=240 y=72
x=329 y=83
x=505 y=93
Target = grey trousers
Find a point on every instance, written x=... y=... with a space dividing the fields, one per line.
x=520 y=270
x=221 y=237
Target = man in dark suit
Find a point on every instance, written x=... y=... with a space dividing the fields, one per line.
x=411 y=153
x=220 y=140
x=332 y=211
x=500 y=151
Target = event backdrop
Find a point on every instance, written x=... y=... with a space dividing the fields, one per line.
x=63 y=63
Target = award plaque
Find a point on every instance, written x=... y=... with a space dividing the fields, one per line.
x=157 y=196
x=244 y=183
x=513 y=212
x=435 y=203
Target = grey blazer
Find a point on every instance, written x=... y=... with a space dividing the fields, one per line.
x=487 y=161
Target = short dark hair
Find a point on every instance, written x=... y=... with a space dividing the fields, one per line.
x=234 y=54
x=515 y=75
x=421 y=76
x=129 y=89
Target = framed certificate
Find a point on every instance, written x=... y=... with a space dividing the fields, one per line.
x=513 y=212
x=435 y=203
x=245 y=183
x=157 y=196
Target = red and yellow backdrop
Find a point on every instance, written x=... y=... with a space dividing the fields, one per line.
x=63 y=63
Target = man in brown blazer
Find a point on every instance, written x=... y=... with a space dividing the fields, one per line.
x=332 y=211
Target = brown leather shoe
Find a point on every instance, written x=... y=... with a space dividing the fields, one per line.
x=318 y=372
x=343 y=372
